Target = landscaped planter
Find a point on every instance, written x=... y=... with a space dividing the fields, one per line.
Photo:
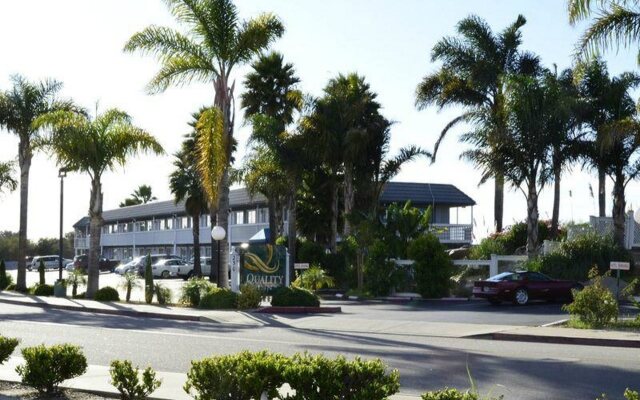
x=299 y=310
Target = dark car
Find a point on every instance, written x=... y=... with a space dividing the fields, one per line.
x=521 y=287
x=104 y=264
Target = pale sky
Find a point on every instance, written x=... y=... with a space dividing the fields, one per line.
x=79 y=42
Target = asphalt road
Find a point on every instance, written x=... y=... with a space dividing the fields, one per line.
x=518 y=370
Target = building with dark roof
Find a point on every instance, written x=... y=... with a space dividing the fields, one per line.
x=164 y=226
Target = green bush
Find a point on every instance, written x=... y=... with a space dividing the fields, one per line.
x=486 y=248
x=433 y=267
x=41 y=290
x=81 y=295
x=249 y=375
x=449 y=394
x=126 y=379
x=46 y=367
x=573 y=259
x=244 y=375
x=293 y=297
x=380 y=274
x=313 y=279
x=193 y=290
x=250 y=297
x=219 y=299
x=510 y=240
x=316 y=377
x=107 y=293
x=7 y=346
x=148 y=281
x=163 y=294
x=594 y=306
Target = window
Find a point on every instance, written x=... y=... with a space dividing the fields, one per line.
x=263 y=215
x=142 y=226
x=168 y=224
x=157 y=224
x=536 y=276
x=251 y=217
x=239 y=216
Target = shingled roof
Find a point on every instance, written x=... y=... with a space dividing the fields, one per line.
x=424 y=194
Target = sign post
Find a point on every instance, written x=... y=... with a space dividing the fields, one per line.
x=619 y=266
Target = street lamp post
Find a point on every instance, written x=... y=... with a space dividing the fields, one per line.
x=217 y=233
x=62 y=173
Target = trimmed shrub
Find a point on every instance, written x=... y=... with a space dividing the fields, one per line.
x=487 y=247
x=455 y=394
x=573 y=259
x=293 y=297
x=433 y=267
x=219 y=299
x=250 y=297
x=148 y=281
x=7 y=346
x=595 y=305
x=46 y=367
x=194 y=289
x=41 y=272
x=126 y=379
x=107 y=293
x=380 y=274
x=316 y=377
x=163 y=294
x=80 y=295
x=313 y=279
x=244 y=375
x=41 y=290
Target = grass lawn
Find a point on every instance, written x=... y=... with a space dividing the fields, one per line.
x=622 y=324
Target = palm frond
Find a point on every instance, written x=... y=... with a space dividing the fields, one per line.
x=181 y=71
x=211 y=152
x=7 y=180
x=614 y=28
x=256 y=35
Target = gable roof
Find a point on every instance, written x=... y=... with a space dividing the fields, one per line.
x=425 y=194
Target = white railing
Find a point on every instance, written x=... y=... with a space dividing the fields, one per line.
x=81 y=243
x=453 y=233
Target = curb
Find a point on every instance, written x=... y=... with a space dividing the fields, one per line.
x=299 y=310
x=567 y=340
x=126 y=313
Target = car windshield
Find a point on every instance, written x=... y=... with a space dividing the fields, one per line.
x=501 y=277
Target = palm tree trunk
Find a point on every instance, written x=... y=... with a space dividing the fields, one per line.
x=197 y=269
x=223 y=221
x=532 y=219
x=498 y=201
x=333 y=241
x=273 y=234
x=618 y=209
x=95 y=229
x=555 y=214
x=25 y=166
x=292 y=232
x=348 y=199
x=602 y=193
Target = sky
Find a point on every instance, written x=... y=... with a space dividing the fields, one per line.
x=79 y=42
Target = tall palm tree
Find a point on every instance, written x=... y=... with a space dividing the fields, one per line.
x=94 y=147
x=270 y=101
x=617 y=24
x=216 y=41
x=19 y=108
x=142 y=195
x=7 y=181
x=473 y=64
x=184 y=183
x=604 y=100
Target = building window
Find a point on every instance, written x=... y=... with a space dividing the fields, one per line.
x=142 y=226
x=264 y=215
x=251 y=217
x=168 y=224
x=239 y=217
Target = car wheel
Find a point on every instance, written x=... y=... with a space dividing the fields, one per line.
x=521 y=296
x=165 y=274
x=494 y=301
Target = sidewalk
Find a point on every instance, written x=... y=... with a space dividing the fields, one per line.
x=96 y=380
x=588 y=337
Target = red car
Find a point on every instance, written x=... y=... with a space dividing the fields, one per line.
x=523 y=286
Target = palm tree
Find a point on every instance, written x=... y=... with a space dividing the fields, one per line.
x=473 y=64
x=617 y=23
x=142 y=195
x=7 y=181
x=19 y=108
x=184 y=183
x=604 y=100
x=216 y=42
x=93 y=147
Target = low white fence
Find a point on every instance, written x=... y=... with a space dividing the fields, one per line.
x=492 y=263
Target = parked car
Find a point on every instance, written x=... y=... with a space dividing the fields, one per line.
x=128 y=266
x=186 y=271
x=49 y=262
x=104 y=264
x=521 y=287
x=165 y=268
x=140 y=262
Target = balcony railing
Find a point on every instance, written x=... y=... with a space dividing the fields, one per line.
x=453 y=233
x=81 y=243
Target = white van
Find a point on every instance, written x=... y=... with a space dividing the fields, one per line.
x=49 y=262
